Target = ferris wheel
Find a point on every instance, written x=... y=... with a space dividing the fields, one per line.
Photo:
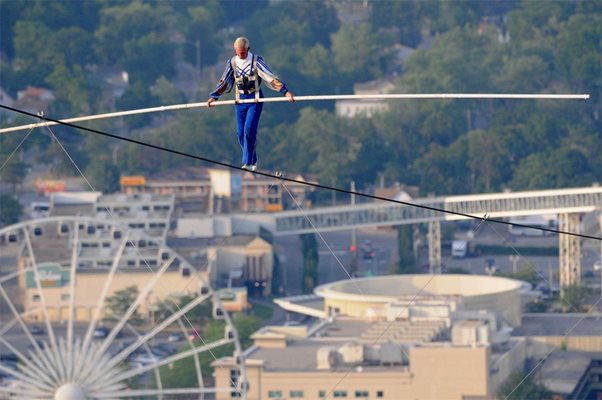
x=59 y=284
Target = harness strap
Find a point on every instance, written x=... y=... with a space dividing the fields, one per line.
x=254 y=76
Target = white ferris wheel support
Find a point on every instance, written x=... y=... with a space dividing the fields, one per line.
x=71 y=368
x=426 y=96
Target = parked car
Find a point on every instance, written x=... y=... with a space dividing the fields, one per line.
x=40 y=345
x=10 y=357
x=163 y=350
x=101 y=332
x=145 y=358
x=175 y=337
x=36 y=330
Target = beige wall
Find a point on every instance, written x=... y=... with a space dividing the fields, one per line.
x=540 y=346
x=499 y=295
x=512 y=361
x=224 y=259
x=352 y=308
x=437 y=372
x=90 y=285
x=446 y=372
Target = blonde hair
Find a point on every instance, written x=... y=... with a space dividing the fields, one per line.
x=241 y=42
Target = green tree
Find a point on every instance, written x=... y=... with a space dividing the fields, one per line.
x=103 y=174
x=309 y=249
x=277 y=288
x=515 y=388
x=182 y=373
x=166 y=92
x=14 y=173
x=405 y=250
x=71 y=89
x=137 y=95
x=10 y=210
x=526 y=272
x=119 y=302
x=357 y=52
x=487 y=161
x=135 y=37
x=573 y=297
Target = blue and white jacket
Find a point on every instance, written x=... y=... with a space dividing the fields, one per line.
x=238 y=69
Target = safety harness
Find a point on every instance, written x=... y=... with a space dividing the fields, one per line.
x=246 y=84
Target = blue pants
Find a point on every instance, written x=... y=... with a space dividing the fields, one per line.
x=247 y=119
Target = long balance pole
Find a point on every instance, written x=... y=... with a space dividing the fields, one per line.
x=309 y=98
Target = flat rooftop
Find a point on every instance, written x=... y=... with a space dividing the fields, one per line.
x=302 y=356
x=562 y=370
x=559 y=325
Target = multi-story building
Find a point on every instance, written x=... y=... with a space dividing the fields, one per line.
x=235 y=261
x=405 y=337
x=384 y=337
x=145 y=212
x=214 y=190
x=261 y=194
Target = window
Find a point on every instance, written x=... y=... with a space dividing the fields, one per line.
x=65 y=297
x=380 y=394
x=145 y=208
x=35 y=297
x=131 y=263
x=117 y=235
x=106 y=244
x=361 y=393
x=297 y=394
x=340 y=393
x=322 y=394
x=274 y=394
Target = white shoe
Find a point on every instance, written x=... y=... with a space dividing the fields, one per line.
x=244 y=166
x=252 y=167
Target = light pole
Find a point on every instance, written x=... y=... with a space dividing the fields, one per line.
x=514 y=259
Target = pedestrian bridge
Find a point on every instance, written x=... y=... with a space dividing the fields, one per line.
x=382 y=213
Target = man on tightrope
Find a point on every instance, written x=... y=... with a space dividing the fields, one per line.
x=245 y=72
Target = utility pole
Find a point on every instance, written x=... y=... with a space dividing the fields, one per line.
x=353 y=246
x=197 y=46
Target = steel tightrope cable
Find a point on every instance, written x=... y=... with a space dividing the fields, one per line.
x=302 y=182
x=197 y=334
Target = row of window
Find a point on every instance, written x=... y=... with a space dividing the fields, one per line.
x=127 y=209
x=297 y=394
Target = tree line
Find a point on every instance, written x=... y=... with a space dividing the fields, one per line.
x=443 y=146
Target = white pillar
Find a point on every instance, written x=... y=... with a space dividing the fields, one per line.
x=570 y=250
x=434 y=239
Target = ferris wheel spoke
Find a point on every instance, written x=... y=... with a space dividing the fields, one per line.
x=32 y=368
x=72 y=281
x=34 y=343
x=155 y=392
x=134 y=306
x=24 y=378
x=129 y=350
x=85 y=355
x=39 y=287
x=27 y=393
x=74 y=358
